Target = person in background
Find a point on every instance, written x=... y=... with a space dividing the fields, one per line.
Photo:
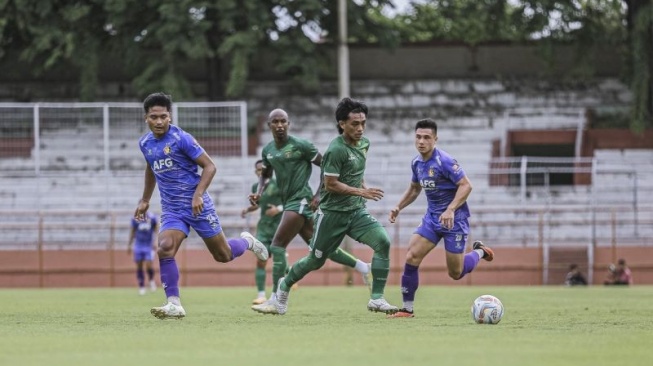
x=619 y=274
x=271 y=211
x=143 y=237
x=574 y=277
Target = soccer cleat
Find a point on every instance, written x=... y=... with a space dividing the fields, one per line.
x=259 y=250
x=281 y=302
x=367 y=277
x=152 y=286
x=259 y=300
x=381 y=305
x=488 y=254
x=141 y=291
x=168 y=311
x=402 y=313
x=268 y=307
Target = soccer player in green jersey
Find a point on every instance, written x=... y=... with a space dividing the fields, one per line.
x=271 y=209
x=342 y=209
x=291 y=159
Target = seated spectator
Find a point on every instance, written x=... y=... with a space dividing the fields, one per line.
x=574 y=277
x=619 y=274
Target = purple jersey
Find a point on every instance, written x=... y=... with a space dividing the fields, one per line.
x=438 y=177
x=144 y=232
x=172 y=159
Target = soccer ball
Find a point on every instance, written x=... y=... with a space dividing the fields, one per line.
x=487 y=309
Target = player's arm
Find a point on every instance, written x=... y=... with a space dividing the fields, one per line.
x=462 y=192
x=208 y=172
x=155 y=234
x=148 y=189
x=332 y=184
x=409 y=196
x=263 y=181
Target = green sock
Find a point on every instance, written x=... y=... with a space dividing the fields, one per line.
x=279 y=264
x=344 y=258
x=259 y=276
x=380 y=270
x=298 y=270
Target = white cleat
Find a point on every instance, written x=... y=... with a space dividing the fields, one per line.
x=141 y=291
x=381 y=305
x=259 y=250
x=267 y=307
x=168 y=311
x=152 y=286
x=281 y=302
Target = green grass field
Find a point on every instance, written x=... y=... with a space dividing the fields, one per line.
x=328 y=326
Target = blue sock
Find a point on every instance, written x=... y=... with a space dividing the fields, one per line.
x=409 y=282
x=141 y=277
x=238 y=247
x=469 y=263
x=150 y=274
x=169 y=276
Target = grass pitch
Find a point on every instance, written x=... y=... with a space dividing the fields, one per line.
x=327 y=326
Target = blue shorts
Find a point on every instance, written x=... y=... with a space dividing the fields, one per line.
x=206 y=224
x=454 y=239
x=143 y=255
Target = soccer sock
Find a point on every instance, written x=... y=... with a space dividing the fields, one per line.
x=344 y=258
x=140 y=275
x=259 y=276
x=150 y=274
x=169 y=276
x=361 y=266
x=409 y=285
x=470 y=262
x=380 y=269
x=238 y=247
x=279 y=264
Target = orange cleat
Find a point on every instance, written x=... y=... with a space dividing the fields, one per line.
x=402 y=313
x=488 y=254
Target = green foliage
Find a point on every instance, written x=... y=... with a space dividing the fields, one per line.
x=642 y=78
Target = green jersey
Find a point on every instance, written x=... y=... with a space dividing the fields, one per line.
x=268 y=225
x=347 y=163
x=292 y=165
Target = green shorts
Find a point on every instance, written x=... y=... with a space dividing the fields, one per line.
x=331 y=227
x=302 y=207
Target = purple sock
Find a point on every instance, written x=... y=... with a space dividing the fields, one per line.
x=150 y=274
x=469 y=263
x=141 y=277
x=409 y=282
x=169 y=276
x=238 y=247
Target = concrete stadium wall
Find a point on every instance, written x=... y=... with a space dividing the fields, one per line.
x=92 y=268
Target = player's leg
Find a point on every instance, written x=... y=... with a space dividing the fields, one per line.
x=259 y=278
x=170 y=239
x=340 y=256
x=291 y=224
x=459 y=264
x=418 y=247
x=364 y=228
x=140 y=272
x=207 y=226
x=149 y=268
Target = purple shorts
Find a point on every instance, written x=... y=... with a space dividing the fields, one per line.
x=143 y=255
x=454 y=239
x=206 y=224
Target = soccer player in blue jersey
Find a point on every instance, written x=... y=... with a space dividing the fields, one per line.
x=446 y=187
x=173 y=160
x=144 y=233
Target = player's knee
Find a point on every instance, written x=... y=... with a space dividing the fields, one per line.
x=455 y=274
x=166 y=249
x=315 y=263
x=221 y=256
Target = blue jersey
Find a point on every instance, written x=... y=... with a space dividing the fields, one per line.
x=438 y=177
x=172 y=159
x=144 y=231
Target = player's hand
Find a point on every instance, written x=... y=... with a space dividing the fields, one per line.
x=197 y=205
x=446 y=219
x=253 y=199
x=272 y=210
x=393 y=215
x=315 y=202
x=141 y=209
x=372 y=193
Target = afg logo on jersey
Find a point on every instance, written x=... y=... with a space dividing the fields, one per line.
x=162 y=164
x=427 y=183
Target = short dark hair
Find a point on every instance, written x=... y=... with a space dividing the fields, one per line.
x=427 y=123
x=348 y=105
x=621 y=262
x=259 y=161
x=157 y=99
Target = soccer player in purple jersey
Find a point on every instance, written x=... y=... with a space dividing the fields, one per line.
x=144 y=246
x=173 y=160
x=446 y=187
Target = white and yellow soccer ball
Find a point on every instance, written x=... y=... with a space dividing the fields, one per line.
x=487 y=309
